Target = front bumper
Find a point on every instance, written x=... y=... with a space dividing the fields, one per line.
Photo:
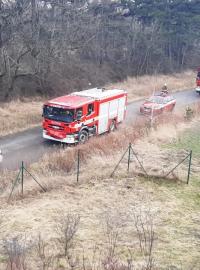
x=70 y=139
x=150 y=113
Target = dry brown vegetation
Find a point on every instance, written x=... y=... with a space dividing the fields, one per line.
x=139 y=87
x=102 y=222
x=19 y=115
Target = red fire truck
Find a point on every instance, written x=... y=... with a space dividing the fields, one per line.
x=76 y=117
x=198 y=81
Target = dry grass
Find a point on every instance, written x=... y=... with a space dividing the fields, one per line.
x=139 y=87
x=111 y=146
x=97 y=196
x=175 y=220
x=99 y=156
x=108 y=145
x=19 y=115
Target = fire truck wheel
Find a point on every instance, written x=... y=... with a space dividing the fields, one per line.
x=83 y=137
x=112 y=126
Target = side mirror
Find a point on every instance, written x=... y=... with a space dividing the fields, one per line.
x=79 y=115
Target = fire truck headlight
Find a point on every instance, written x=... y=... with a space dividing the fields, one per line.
x=70 y=138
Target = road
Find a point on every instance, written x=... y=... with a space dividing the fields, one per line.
x=29 y=145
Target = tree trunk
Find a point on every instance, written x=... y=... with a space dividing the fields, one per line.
x=33 y=17
x=1 y=42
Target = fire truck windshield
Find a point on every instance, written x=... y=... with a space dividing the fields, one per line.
x=58 y=114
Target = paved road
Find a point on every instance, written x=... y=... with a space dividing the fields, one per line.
x=30 y=146
x=183 y=98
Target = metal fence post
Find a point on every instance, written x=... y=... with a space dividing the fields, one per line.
x=14 y=183
x=19 y=177
x=189 y=167
x=78 y=166
x=22 y=170
x=129 y=156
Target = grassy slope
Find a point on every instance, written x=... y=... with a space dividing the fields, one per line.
x=190 y=139
x=183 y=225
x=175 y=207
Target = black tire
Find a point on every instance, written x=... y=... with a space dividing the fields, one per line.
x=83 y=136
x=112 y=126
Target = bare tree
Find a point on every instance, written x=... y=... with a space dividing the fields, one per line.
x=15 y=250
x=67 y=44
x=111 y=259
x=146 y=236
x=66 y=228
x=42 y=250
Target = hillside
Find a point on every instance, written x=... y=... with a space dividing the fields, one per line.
x=53 y=47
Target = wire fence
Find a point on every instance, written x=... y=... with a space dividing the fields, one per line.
x=20 y=180
x=128 y=156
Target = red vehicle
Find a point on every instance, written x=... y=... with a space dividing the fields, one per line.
x=157 y=104
x=76 y=117
x=198 y=81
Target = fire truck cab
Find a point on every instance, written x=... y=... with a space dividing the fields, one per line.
x=75 y=117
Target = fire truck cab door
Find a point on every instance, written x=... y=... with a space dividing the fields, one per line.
x=103 y=117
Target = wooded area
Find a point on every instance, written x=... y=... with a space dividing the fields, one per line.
x=56 y=46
